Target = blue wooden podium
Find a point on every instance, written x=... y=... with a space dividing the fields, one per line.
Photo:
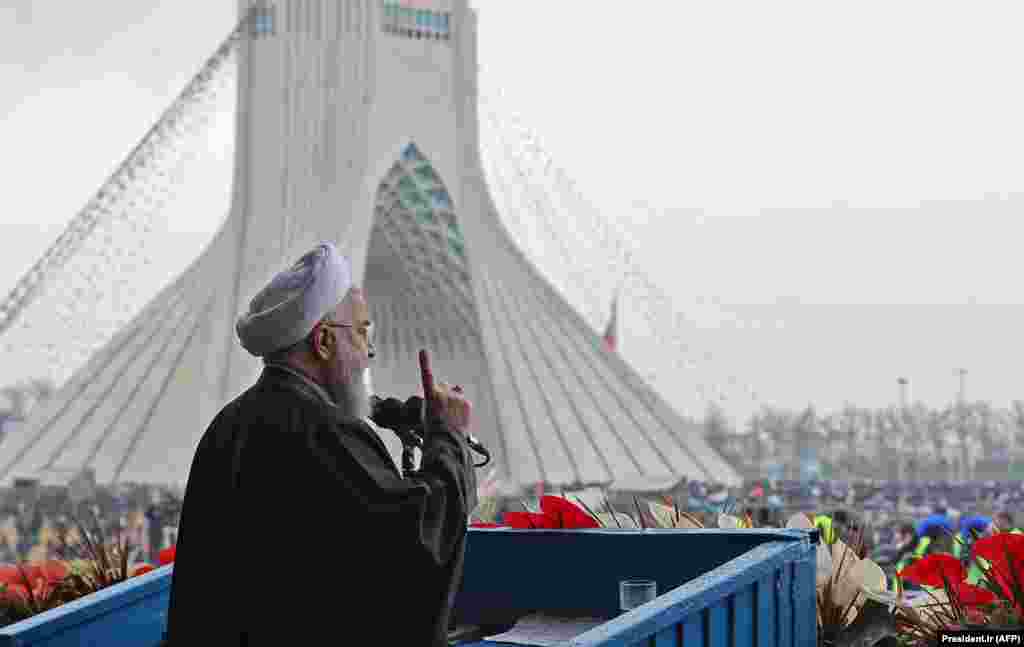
x=726 y=587
x=716 y=587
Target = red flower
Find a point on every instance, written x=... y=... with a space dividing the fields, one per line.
x=40 y=576
x=556 y=512
x=975 y=616
x=1005 y=553
x=142 y=569
x=528 y=520
x=1000 y=547
x=33 y=571
x=52 y=571
x=973 y=596
x=934 y=570
x=13 y=593
x=166 y=556
x=9 y=574
x=566 y=513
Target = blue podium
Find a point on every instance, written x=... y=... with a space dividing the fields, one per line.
x=716 y=587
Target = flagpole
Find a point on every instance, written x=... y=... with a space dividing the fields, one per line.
x=611 y=331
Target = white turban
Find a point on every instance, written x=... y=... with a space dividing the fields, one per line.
x=285 y=311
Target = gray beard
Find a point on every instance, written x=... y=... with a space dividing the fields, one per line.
x=352 y=398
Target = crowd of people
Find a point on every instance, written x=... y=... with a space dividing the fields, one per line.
x=32 y=524
x=892 y=514
x=896 y=522
x=877 y=498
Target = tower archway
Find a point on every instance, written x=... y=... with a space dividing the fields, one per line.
x=418 y=281
x=416 y=232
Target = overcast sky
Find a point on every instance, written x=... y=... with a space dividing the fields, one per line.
x=726 y=106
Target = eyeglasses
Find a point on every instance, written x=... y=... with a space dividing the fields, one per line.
x=367 y=333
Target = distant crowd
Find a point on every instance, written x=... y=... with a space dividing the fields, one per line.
x=890 y=516
x=32 y=522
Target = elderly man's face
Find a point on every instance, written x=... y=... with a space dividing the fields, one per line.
x=344 y=371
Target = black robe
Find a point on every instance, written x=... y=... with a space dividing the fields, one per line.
x=297 y=529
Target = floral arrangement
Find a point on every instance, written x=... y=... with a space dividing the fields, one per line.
x=669 y=515
x=90 y=562
x=845 y=580
x=950 y=601
x=28 y=589
x=560 y=512
x=487 y=493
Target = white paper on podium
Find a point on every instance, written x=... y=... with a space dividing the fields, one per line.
x=546 y=631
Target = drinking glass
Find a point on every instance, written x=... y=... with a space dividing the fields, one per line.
x=633 y=593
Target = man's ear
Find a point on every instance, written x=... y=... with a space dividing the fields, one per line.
x=320 y=347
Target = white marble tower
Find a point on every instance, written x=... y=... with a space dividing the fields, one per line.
x=357 y=123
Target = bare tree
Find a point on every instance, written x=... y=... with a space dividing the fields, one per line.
x=851 y=422
x=718 y=432
x=756 y=442
x=1017 y=432
x=939 y=425
x=835 y=433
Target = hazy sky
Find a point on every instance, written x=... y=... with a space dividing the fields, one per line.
x=727 y=106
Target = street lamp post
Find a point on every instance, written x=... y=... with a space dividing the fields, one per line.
x=962 y=422
x=902 y=428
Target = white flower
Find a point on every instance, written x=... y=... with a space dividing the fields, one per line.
x=926 y=607
x=666 y=517
x=623 y=519
x=864 y=575
x=824 y=554
x=730 y=522
x=854 y=580
x=842 y=555
x=892 y=599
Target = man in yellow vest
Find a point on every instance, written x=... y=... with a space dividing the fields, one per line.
x=934 y=535
x=971 y=528
x=906 y=540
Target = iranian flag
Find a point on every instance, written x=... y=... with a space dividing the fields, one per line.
x=611 y=332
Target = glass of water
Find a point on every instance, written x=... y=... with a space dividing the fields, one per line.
x=633 y=593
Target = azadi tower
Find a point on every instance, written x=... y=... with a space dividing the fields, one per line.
x=357 y=123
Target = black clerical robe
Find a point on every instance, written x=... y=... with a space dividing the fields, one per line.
x=297 y=529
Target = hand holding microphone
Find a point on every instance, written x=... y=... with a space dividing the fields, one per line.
x=408 y=419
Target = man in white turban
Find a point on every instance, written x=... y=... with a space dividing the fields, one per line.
x=294 y=451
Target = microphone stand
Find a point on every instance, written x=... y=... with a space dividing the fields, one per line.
x=409 y=444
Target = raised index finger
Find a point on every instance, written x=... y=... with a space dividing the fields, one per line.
x=426 y=374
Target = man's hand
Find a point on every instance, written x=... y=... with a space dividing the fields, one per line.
x=453 y=408
x=447 y=403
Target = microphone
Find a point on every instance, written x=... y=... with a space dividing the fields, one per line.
x=405 y=419
x=395 y=415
